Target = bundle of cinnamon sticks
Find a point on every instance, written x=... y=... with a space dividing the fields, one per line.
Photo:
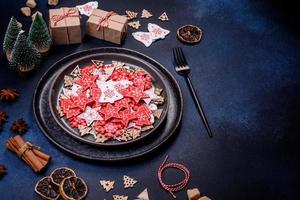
x=30 y=153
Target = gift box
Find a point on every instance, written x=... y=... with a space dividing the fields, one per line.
x=64 y=26
x=107 y=26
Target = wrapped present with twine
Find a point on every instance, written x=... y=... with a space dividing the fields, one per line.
x=64 y=26
x=108 y=26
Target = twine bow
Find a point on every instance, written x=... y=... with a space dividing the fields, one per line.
x=103 y=22
x=25 y=147
x=70 y=13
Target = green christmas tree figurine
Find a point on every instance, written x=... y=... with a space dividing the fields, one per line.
x=11 y=35
x=24 y=55
x=39 y=35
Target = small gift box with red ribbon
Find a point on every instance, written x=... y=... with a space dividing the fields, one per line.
x=107 y=26
x=64 y=26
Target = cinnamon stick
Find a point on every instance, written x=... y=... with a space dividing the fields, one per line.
x=35 y=158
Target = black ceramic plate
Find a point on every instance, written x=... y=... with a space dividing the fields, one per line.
x=107 y=57
x=63 y=140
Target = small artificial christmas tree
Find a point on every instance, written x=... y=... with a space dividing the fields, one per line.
x=11 y=35
x=39 y=35
x=24 y=55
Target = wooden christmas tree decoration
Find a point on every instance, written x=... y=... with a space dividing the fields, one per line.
x=39 y=35
x=163 y=17
x=146 y=14
x=128 y=182
x=24 y=56
x=107 y=185
x=11 y=35
x=143 y=195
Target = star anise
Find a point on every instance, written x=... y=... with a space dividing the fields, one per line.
x=19 y=126
x=8 y=94
x=2 y=170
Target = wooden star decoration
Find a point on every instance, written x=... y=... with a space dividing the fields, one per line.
x=130 y=14
x=107 y=185
x=134 y=24
x=68 y=81
x=90 y=115
x=84 y=130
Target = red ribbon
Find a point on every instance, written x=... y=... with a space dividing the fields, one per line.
x=70 y=13
x=103 y=22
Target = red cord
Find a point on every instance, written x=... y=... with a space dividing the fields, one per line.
x=173 y=187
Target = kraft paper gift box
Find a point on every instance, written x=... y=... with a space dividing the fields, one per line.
x=107 y=26
x=64 y=26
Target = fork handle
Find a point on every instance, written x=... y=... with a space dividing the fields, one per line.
x=198 y=105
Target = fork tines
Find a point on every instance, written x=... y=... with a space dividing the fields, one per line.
x=180 y=60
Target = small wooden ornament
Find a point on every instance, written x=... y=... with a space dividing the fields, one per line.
x=146 y=14
x=193 y=194
x=134 y=24
x=157 y=113
x=76 y=71
x=60 y=112
x=120 y=197
x=97 y=63
x=68 y=81
x=53 y=2
x=31 y=3
x=128 y=182
x=204 y=198
x=130 y=14
x=107 y=185
x=143 y=195
x=26 y=11
x=100 y=138
x=163 y=17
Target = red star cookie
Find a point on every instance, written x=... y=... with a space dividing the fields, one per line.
x=123 y=103
x=66 y=104
x=126 y=117
x=142 y=116
x=81 y=101
x=110 y=111
x=72 y=112
x=87 y=81
x=136 y=93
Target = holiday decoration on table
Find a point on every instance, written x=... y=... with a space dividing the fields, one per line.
x=64 y=26
x=26 y=11
x=189 y=34
x=9 y=94
x=194 y=194
x=107 y=185
x=28 y=152
x=129 y=182
x=134 y=24
x=87 y=9
x=130 y=14
x=25 y=57
x=19 y=126
x=62 y=184
x=53 y=2
x=36 y=13
x=120 y=197
x=2 y=170
x=110 y=101
x=10 y=37
x=171 y=188
x=31 y=3
x=146 y=14
x=39 y=35
x=143 y=195
x=155 y=33
x=107 y=26
x=163 y=17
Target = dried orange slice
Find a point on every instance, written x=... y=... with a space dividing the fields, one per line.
x=46 y=189
x=73 y=188
x=60 y=173
x=189 y=34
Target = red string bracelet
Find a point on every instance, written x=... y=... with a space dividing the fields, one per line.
x=173 y=187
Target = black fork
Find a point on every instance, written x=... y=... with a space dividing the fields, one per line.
x=182 y=67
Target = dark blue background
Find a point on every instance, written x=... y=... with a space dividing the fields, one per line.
x=246 y=72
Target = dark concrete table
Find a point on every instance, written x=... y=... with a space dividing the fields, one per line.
x=246 y=72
